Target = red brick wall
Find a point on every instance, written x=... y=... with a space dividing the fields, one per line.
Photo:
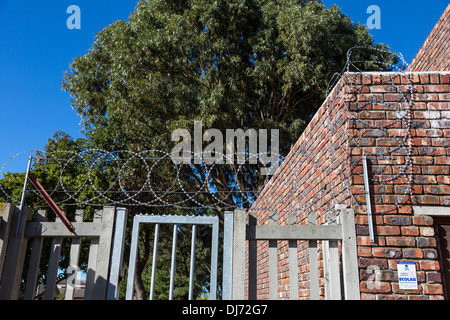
x=402 y=124
x=434 y=55
x=312 y=178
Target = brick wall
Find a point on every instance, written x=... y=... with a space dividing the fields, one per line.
x=401 y=122
x=435 y=52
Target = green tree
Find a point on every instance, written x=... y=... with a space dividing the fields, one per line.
x=231 y=64
x=54 y=166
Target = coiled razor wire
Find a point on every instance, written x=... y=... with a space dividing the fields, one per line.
x=93 y=159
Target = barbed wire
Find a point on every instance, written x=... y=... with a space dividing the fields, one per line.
x=190 y=196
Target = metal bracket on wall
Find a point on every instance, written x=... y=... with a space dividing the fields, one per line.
x=368 y=202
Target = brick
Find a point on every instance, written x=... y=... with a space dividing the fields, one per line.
x=423 y=242
x=366 y=262
x=400 y=241
x=386 y=252
x=397 y=220
x=441 y=142
x=411 y=253
x=442 y=160
x=388 y=230
x=424 y=179
x=426 y=199
x=445 y=79
x=371 y=286
x=422 y=220
x=436 y=189
x=432 y=288
x=438 y=106
x=434 y=78
x=437 y=88
x=433 y=277
x=410 y=230
x=428 y=132
x=427 y=114
x=430 y=253
x=440 y=123
x=427 y=231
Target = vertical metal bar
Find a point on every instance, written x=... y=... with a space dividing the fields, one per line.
x=314 y=291
x=368 y=203
x=117 y=254
x=172 y=266
x=214 y=257
x=239 y=253
x=227 y=277
x=154 y=259
x=133 y=255
x=191 y=270
x=349 y=255
x=293 y=263
x=252 y=264
x=22 y=200
x=273 y=260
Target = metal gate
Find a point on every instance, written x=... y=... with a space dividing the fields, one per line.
x=176 y=220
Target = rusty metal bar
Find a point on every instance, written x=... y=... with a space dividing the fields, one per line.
x=51 y=203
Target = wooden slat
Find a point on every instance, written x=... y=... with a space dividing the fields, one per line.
x=52 y=229
x=53 y=266
x=15 y=257
x=92 y=260
x=297 y=232
x=6 y=214
x=35 y=258
x=104 y=254
x=74 y=257
x=350 y=255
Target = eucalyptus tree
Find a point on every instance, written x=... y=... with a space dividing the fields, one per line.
x=261 y=64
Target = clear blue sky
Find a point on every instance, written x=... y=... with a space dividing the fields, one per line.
x=36 y=47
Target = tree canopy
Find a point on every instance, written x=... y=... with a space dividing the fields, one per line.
x=260 y=64
x=228 y=63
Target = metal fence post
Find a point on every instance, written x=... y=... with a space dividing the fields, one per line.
x=239 y=231
x=227 y=279
x=117 y=254
x=350 y=255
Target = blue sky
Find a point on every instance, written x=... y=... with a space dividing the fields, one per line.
x=36 y=47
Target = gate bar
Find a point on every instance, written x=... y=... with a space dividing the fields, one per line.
x=176 y=220
x=172 y=265
x=191 y=270
x=154 y=258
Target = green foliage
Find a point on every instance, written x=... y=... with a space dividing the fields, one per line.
x=229 y=63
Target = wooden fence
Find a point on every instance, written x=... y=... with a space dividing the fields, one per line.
x=341 y=230
x=106 y=231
